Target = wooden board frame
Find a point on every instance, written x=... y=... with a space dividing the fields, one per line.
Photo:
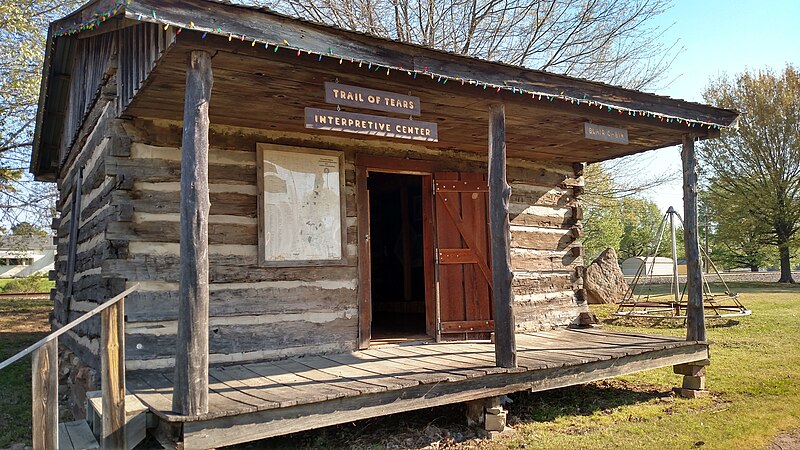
x=261 y=149
x=364 y=165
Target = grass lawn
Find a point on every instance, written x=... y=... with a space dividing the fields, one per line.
x=22 y=322
x=754 y=381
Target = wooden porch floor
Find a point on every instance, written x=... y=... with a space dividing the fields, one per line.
x=259 y=400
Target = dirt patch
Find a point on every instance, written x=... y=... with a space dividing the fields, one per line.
x=789 y=440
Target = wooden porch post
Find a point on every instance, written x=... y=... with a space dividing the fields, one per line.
x=499 y=194
x=695 y=314
x=191 y=357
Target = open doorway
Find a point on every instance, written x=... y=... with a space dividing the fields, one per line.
x=397 y=256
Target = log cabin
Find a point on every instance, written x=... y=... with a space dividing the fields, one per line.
x=312 y=226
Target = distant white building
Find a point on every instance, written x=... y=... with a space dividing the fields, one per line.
x=658 y=265
x=23 y=256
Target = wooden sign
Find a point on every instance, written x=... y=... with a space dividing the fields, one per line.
x=323 y=119
x=607 y=134
x=359 y=97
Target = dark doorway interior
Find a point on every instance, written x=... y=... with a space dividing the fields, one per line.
x=398 y=283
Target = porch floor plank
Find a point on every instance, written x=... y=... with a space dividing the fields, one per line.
x=284 y=394
x=486 y=365
x=250 y=401
x=351 y=366
x=430 y=362
x=309 y=368
x=249 y=382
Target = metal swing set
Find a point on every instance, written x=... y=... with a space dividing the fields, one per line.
x=672 y=305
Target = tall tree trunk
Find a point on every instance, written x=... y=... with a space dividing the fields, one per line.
x=786 y=266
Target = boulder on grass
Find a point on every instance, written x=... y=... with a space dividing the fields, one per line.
x=604 y=281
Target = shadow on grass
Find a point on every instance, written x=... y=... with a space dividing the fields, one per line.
x=584 y=400
x=665 y=324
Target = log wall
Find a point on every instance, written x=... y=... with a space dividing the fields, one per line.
x=266 y=312
x=130 y=234
x=546 y=255
x=255 y=312
x=93 y=133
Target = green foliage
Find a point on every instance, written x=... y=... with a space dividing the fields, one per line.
x=27 y=229
x=34 y=283
x=641 y=220
x=23 y=34
x=753 y=172
x=602 y=217
x=737 y=238
x=626 y=223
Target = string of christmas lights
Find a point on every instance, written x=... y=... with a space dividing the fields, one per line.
x=101 y=15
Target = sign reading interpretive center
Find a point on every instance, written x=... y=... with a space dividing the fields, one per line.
x=360 y=97
x=323 y=119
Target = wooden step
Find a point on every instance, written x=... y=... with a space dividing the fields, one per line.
x=76 y=436
x=135 y=412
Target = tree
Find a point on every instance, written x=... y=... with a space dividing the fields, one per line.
x=608 y=40
x=602 y=216
x=23 y=31
x=27 y=229
x=757 y=166
x=641 y=220
x=736 y=237
x=615 y=214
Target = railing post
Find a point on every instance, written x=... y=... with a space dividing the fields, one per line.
x=112 y=364
x=45 y=397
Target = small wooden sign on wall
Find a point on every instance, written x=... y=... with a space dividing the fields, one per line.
x=607 y=134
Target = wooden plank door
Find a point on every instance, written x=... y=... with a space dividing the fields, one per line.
x=465 y=297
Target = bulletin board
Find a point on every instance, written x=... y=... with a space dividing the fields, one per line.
x=301 y=205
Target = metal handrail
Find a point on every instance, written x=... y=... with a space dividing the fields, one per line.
x=67 y=327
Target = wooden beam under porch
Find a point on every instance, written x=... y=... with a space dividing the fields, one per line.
x=260 y=400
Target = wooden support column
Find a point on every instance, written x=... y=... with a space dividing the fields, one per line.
x=112 y=364
x=499 y=195
x=695 y=315
x=191 y=357
x=44 y=432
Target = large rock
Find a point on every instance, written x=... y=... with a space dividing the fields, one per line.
x=604 y=281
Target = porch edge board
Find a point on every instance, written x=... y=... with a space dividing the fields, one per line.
x=231 y=430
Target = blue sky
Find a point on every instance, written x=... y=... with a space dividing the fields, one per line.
x=721 y=37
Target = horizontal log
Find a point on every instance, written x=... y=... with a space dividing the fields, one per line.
x=141 y=344
x=141 y=151
x=160 y=170
x=523 y=260
x=548 y=196
x=547 y=313
x=222 y=269
x=539 y=283
x=163 y=305
x=160 y=231
x=541 y=240
x=540 y=216
x=222 y=203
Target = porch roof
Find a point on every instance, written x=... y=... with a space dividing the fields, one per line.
x=545 y=111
